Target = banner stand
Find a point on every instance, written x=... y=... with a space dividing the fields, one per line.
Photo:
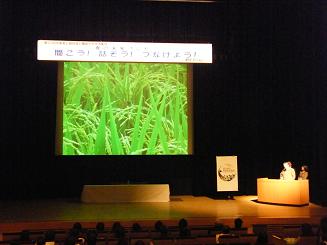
x=227 y=177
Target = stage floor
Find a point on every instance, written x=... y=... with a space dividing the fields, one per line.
x=58 y=213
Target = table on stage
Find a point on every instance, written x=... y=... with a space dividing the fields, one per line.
x=125 y=193
x=289 y=192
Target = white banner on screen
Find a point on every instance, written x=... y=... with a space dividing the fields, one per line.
x=227 y=173
x=58 y=50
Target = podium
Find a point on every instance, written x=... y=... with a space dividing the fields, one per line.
x=125 y=193
x=287 y=192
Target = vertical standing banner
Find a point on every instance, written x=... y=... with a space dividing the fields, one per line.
x=227 y=177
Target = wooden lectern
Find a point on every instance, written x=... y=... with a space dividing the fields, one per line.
x=288 y=192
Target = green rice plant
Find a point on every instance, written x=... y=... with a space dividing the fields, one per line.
x=115 y=138
x=158 y=129
x=124 y=108
x=100 y=148
x=135 y=129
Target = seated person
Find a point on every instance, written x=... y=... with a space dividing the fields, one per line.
x=184 y=230
x=158 y=225
x=304 y=173
x=238 y=227
x=288 y=173
x=77 y=231
x=117 y=230
x=100 y=227
x=238 y=222
x=136 y=227
x=161 y=228
x=100 y=231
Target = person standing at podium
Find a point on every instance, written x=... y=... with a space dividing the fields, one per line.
x=288 y=173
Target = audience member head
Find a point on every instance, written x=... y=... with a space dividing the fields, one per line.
x=99 y=227
x=76 y=230
x=182 y=223
x=158 y=225
x=238 y=222
x=305 y=168
x=306 y=230
x=183 y=228
x=115 y=226
x=118 y=230
x=136 y=227
x=78 y=226
x=49 y=236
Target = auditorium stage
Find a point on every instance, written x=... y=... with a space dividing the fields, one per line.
x=60 y=213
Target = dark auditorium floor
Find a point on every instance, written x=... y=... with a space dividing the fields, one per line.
x=17 y=215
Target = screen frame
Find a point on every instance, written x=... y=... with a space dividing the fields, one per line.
x=59 y=112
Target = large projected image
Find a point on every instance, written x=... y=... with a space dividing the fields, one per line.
x=125 y=109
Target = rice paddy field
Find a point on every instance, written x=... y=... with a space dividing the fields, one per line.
x=125 y=109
